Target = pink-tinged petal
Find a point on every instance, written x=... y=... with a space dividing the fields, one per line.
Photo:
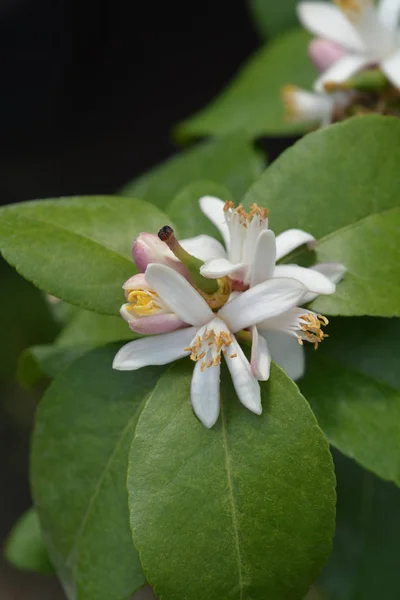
x=290 y=240
x=244 y=382
x=287 y=353
x=155 y=350
x=153 y=324
x=389 y=13
x=324 y=53
x=310 y=278
x=333 y=271
x=213 y=208
x=264 y=258
x=204 y=393
x=219 y=267
x=137 y=282
x=204 y=247
x=342 y=70
x=325 y=20
x=260 y=302
x=260 y=357
x=178 y=295
x=391 y=67
x=148 y=248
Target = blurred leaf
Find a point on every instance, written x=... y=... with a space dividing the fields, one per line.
x=83 y=432
x=89 y=327
x=244 y=510
x=371 y=285
x=230 y=161
x=25 y=548
x=353 y=385
x=24 y=319
x=252 y=101
x=333 y=177
x=185 y=209
x=47 y=361
x=271 y=18
x=364 y=562
x=77 y=249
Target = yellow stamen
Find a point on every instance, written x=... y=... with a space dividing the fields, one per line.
x=210 y=346
x=312 y=329
x=246 y=217
x=352 y=8
x=143 y=302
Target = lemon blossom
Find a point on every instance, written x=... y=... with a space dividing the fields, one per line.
x=368 y=33
x=206 y=335
x=246 y=249
x=302 y=106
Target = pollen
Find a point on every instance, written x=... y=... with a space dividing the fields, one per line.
x=208 y=346
x=311 y=328
x=143 y=303
x=352 y=8
x=246 y=217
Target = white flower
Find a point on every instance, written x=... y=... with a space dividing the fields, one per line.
x=369 y=34
x=253 y=249
x=208 y=334
x=302 y=106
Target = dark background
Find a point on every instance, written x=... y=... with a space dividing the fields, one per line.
x=89 y=92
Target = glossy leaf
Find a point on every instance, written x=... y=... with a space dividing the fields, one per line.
x=364 y=564
x=244 y=510
x=252 y=101
x=25 y=548
x=230 y=161
x=370 y=251
x=185 y=210
x=353 y=385
x=78 y=249
x=83 y=432
x=272 y=18
x=333 y=177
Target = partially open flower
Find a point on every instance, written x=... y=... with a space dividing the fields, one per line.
x=148 y=248
x=302 y=106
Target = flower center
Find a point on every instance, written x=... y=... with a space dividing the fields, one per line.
x=311 y=328
x=208 y=345
x=352 y=8
x=143 y=303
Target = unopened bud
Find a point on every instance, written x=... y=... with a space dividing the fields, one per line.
x=324 y=53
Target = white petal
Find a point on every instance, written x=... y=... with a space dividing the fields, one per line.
x=219 y=267
x=343 y=69
x=389 y=13
x=287 y=353
x=264 y=258
x=334 y=272
x=154 y=350
x=291 y=239
x=260 y=302
x=213 y=208
x=178 y=294
x=244 y=382
x=260 y=356
x=391 y=67
x=203 y=247
x=310 y=278
x=327 y=21
x=204 y=393
x=303 y=106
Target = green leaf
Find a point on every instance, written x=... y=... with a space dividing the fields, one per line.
x=370 y=250
x=24 y=319
x=252 y=101
x=185 y=209
x=333 y=177
x=364 y=564
x=25 y=548
x=82 y=436
x=271 y=18
x=78 y=249
x=47 y=361
x=353 y=385
x=244 y=510
x=230 y=161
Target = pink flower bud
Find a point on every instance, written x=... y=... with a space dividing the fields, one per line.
x=153 y=324
x=324 y=53
x=148 y=248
